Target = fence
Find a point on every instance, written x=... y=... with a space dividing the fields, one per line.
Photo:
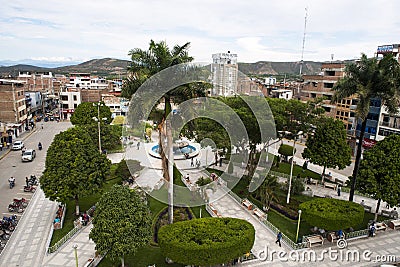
x=60 y=242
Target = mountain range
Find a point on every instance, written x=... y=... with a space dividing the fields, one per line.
x=117 y=68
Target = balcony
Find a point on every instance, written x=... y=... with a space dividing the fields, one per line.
x=389 y=125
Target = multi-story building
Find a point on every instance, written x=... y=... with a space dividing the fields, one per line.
x=224 y=71
x=12 y=105
x=320 y=86
x=69 y=101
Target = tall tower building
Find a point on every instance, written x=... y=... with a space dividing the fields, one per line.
x=224 y=74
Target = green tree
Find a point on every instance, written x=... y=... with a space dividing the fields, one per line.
x=267 y=191
x=86 y=111
x=379 y=174
x=286 y=151
x=143 y=65
x=122 y=223
x=110 y=135
x=368 y=79
x=328 y=146
x=74 y=167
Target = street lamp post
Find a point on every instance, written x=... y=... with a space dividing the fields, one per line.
x=98 y=124
x=291 y=166
x=298 y=226
x=75 y=247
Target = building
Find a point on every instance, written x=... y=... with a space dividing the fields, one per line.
x=69 y=101
x=282 y=93
x=320 y=86
x=224 y=71
x=13 y=110
x=118 y=106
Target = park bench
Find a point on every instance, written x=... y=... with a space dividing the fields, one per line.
x=366 y=207
x=380 y=227
x=389 y=213
x=329 y=185
x=260 y=214
x=338 y=181
x=214 y=210
x=394 y=224
x=332 y=236
x=314 y=239
x=329 y=177
x=314 y=182
x=247 y=204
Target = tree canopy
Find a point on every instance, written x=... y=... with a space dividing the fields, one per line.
x=122 y=223
x=379 y=174
x=86 y=111
x=328 y=146
x=74 y=167
x=367 y=79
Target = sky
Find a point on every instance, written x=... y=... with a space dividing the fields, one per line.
x=263 y=30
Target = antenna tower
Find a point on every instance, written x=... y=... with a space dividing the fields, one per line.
x=302 y=50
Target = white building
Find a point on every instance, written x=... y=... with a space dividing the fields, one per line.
x=282 y=93
x=79 y=80
x=270 y=81
x=224 y=71
x=69 y=101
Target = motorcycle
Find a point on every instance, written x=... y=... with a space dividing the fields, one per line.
x=33 y=180
x=40 y=146
x=9 y=223
x=12 y=207
x=29 y=188
x=12 y=183
x=20 y=202
x=5 y=235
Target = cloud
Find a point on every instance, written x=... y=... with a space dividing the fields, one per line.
x=255 y=30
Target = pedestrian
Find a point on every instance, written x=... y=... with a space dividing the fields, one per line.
x=339 y=188
x=27 y=181
x=191 y=163
x=278 y=239
x=220 y=161
x=371 y=231
x=138 y=145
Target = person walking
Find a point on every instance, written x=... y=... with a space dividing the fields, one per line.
x=278 y=239
x=191 y=163
x=27 y=181
x=339 y=188
x=138 y=145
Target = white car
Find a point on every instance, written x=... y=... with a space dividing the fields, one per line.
x=29 y=155
x=18 y=145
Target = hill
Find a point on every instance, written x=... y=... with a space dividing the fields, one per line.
x=117 y=67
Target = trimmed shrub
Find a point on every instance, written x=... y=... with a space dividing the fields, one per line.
x=286 y=151
x=332 y=214
x=206 y=241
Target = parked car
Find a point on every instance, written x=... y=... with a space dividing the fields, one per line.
x=18 y=145
x=29 y=155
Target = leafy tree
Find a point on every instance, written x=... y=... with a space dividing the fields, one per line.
x=74 y=167
x=379 y=174
x=332 y=214
x=122 y=223
x=86 y=111
x=328 y=146
x=110 y=135
x=267 y=191
x=286 y=151
x=296 y=187
x=368 y=79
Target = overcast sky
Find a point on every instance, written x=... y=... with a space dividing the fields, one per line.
x=255 y=30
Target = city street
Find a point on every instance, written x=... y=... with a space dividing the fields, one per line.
x=36 y=221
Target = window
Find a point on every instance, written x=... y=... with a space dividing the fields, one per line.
x=75 y=98
x=328 y=85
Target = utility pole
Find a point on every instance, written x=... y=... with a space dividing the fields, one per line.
x=302 y=51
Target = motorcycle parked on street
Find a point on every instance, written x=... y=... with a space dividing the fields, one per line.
x=33 y=180
x=21 y=202
x=12 y=182
x=29 y=188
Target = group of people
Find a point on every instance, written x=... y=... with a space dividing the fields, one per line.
x=57 y=219
x=192 y=163
x=84 y=219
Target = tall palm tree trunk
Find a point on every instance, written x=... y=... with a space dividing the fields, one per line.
x=358 y=159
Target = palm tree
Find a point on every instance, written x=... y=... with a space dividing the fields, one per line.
x=368 y=79
x=143 y=65
x=267 y=191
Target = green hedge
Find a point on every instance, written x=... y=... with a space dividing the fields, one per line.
x=332 y=214
x=206 y=241
x=286 y=150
